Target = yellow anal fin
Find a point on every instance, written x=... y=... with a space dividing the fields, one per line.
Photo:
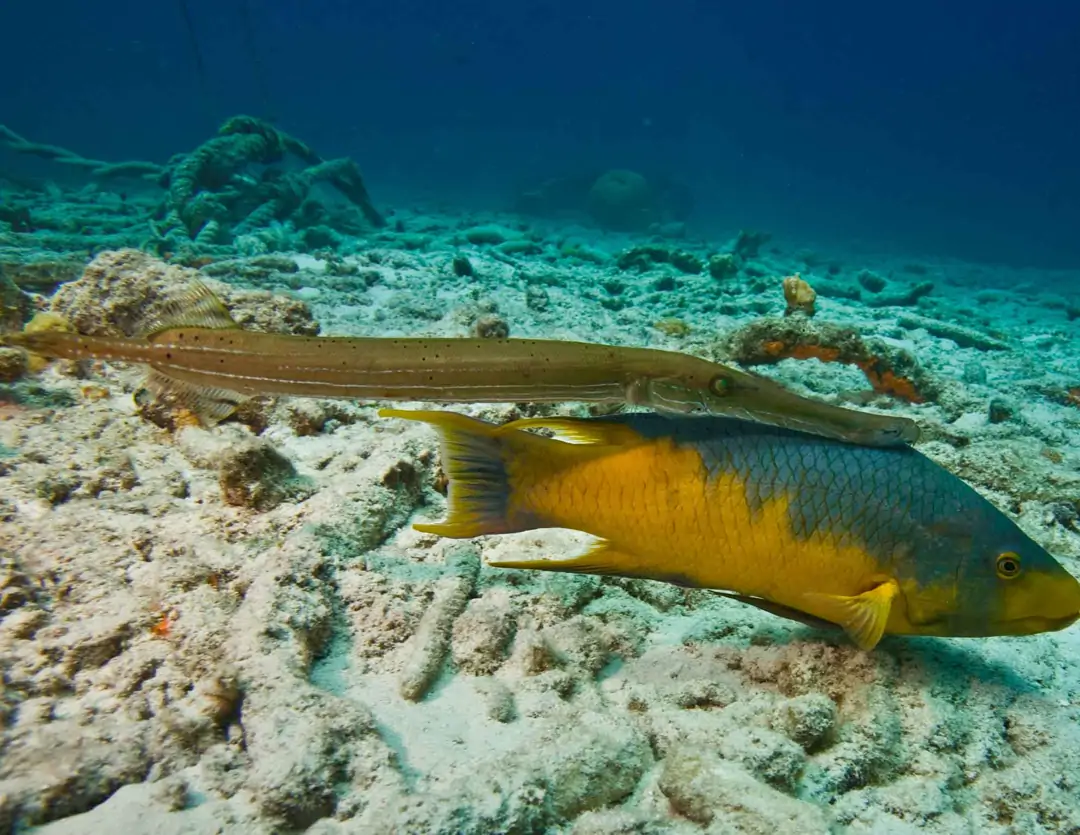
x=862 y=616
x=209 y=405
x=603 y=559
x=580 y=431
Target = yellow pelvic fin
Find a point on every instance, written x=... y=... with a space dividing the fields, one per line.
x=581 y=431
x=863 y=616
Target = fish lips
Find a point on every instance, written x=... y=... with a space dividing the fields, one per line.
x=981 y=628
x=1058 y=600
x=1034 y=624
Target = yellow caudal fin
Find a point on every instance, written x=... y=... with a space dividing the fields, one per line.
x=862 y=616
x=475 y=455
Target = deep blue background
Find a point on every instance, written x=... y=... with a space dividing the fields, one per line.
x=950 y=126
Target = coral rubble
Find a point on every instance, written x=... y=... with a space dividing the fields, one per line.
x=237 y=630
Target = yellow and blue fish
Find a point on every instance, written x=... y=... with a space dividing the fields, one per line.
x=874 y=540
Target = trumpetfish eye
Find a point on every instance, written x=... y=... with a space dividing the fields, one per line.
x=720 y=386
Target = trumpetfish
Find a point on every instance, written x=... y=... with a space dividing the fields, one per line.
x=197 y=353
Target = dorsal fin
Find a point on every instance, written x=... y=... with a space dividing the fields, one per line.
x=189 y=305
x=192 y=305
x=580 y=430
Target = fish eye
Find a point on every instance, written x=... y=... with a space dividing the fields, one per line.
x=1008 y=565
x=720 y=386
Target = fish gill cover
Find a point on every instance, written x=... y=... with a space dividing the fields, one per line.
x=237 y=628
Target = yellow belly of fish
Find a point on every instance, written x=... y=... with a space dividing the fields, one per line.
x=655 y=504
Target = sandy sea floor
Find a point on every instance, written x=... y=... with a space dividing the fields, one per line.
x=236 y=630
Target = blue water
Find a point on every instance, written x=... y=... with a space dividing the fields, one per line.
x=924 y=126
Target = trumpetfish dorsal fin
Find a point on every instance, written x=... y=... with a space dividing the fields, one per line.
x=193 y=305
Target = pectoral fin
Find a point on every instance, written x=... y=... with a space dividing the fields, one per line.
x=863 y=616
x=579 y=430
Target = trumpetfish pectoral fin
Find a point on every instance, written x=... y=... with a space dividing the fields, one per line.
x=863 y=616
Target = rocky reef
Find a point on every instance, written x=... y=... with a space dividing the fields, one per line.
x=237 y=629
